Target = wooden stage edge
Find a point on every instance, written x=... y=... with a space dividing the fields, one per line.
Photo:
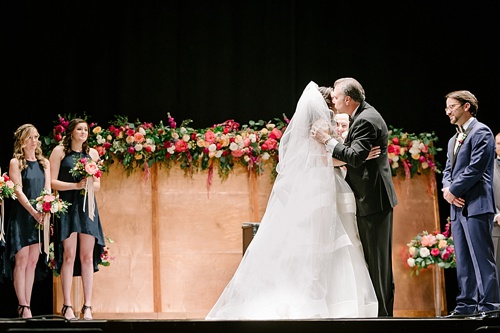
x=406 y=325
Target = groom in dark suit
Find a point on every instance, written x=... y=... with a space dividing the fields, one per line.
x=371 y=182
x=468 y=187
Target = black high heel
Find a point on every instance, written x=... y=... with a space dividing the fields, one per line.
x=21 y=308
x=85 y=308
x=64 y=309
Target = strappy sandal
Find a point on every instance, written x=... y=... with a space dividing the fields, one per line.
x=20 y=310
x=64 y=309
x=85 y=308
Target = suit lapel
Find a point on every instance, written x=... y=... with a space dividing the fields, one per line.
x=467 y=131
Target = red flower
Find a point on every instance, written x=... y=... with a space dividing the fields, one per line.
x=46 y=207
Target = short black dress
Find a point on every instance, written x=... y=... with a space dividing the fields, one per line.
x=76 y=220
x=21 y=230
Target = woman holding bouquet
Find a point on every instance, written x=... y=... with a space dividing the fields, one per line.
x=79 y=240
x=30 y=171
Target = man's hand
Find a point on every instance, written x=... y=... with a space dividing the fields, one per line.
x=320 y=131
x=374 y=153
x=452 y=199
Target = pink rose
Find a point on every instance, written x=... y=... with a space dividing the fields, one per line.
x=428 y=240
x=91 y=168
x=181 y=146
x=275 y=134
x=435 y=252
x=210 y=136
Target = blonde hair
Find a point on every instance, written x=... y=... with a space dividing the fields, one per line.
x=20 y=136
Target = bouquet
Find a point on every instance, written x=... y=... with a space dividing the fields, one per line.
x=435 y=248
x=7 y=188
x=87 y=168
x=48 y=203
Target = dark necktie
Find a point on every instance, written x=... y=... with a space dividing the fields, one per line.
x=460 y=129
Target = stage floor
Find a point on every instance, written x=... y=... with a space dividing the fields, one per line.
x=401 y=325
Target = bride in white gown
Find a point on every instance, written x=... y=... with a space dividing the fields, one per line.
x=306 y=260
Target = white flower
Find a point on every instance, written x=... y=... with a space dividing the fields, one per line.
x=265 y=156
x=186 y=137
x=440 y=236
x=171 y=149
x=252 y=137
x=424 y=252
x=461 y=137
x=142 y=131
x=218 y=154
x=411 y=262
x=233 y=146
x=415 y=147
x=413 y=251
x=100 y=139
x=183 y=130
x=212 y=147
x=138 y=147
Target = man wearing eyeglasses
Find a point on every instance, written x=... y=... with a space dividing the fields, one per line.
x=468 y=188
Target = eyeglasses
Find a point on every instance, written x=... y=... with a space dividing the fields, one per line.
x=452 y=107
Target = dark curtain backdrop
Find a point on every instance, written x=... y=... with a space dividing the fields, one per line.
x=210 y=61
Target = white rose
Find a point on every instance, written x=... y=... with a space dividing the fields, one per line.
x=411 y=262
x=233 y=146
x=424 y=252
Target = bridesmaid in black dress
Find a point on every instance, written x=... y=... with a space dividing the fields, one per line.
x=30 y=171
x=79 y=240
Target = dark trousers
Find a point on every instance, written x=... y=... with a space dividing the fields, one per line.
x=375 y=232
x=476 y=268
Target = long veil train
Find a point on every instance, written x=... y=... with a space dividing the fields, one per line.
x=306 y=260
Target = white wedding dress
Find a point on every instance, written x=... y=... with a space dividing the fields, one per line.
x=306 y=260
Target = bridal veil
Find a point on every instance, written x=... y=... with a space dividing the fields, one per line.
x=306 y=260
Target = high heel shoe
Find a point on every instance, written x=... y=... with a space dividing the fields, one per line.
x=21 y=308
x=84 y=309
x=64 y=309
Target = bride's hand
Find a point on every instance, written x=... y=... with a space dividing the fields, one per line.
x=320 y=131
x=374 y=153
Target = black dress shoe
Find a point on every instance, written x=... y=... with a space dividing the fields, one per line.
x=455 y=314
x=489 y=314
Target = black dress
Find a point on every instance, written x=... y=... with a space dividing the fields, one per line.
x=21 y=230
x=76 y=219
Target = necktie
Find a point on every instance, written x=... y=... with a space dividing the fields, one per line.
x=460 y=129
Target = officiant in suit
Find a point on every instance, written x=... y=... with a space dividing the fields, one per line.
x=371 y=182
x=468 y=187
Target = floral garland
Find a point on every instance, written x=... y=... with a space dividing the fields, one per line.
x=411 y=154
x=138 y=145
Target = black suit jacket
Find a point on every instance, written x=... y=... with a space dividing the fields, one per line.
x=371 y=181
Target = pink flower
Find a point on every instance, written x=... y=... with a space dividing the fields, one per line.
x=138 y=137
x=210 y=136
x=238 y=153
x=275 y=134
x=91 y=168
x=435 y=252
x=181 y=146
x=428 y=240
